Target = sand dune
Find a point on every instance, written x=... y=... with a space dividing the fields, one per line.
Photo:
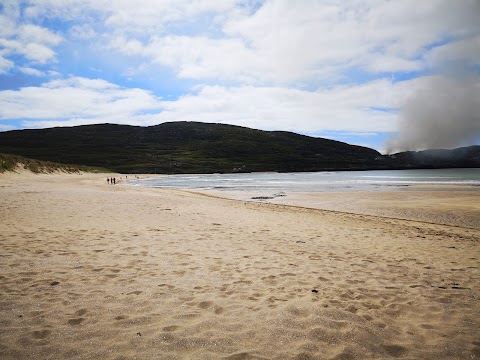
x=94 y=271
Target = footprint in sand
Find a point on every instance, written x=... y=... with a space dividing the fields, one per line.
x=210 y=304
x=170 y=328
x=218 y=310
x=205 y=304
x=395 y=350
x=137 y=292
x=41 y=334
x=76 y=321
x=81 y=312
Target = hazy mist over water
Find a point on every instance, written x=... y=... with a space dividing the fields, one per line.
x=444 y=112
x=313 y=182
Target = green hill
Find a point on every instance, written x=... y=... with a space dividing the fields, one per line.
x=468 y=156
x=185 y=147
x=191 y=147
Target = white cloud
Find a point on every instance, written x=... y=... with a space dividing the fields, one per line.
x=53 y=73
x=197 y=57
x=153 y=16
x=379 y=63
x=288 y=42
x=465 y=52
x=81 y=83
x=346 y=108
x=35 y=34
x=33 y=42
x=5 y=65
x=31 y=71
x=352 y=108
x=295 y=43
x=37 y=52
x=122 y=16
x=75 y=98
x=7 y=26
x=83 y=32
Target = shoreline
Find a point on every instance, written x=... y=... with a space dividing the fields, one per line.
x=299 y=205
x=456 y=204
x=91 y=270
x=437 y=204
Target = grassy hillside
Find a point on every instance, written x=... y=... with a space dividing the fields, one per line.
x=10 y=162
x=190 y=147
x=463 y=157
x=185 y=147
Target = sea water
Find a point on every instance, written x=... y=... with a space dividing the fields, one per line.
x=315 y=181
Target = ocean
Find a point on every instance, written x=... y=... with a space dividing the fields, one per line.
x=315 y=181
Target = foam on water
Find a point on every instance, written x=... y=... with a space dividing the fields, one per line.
x=313 y=182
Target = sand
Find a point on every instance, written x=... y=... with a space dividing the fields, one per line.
x=439 y=204
x=95 y=271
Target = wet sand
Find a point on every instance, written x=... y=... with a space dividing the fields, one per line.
x=438 y=204
x=91 y=270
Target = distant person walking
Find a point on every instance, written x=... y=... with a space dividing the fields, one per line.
x=108 y=180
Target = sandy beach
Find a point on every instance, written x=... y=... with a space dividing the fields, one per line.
x=96 y=271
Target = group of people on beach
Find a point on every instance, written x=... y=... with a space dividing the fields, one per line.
x=113 y=180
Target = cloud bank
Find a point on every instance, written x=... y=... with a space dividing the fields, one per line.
x=442 y=112
x=85 y=101
x=364 y=67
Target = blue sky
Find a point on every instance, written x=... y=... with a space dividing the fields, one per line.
x=348 y=70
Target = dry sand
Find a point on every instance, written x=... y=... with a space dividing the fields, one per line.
x=90 y=270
